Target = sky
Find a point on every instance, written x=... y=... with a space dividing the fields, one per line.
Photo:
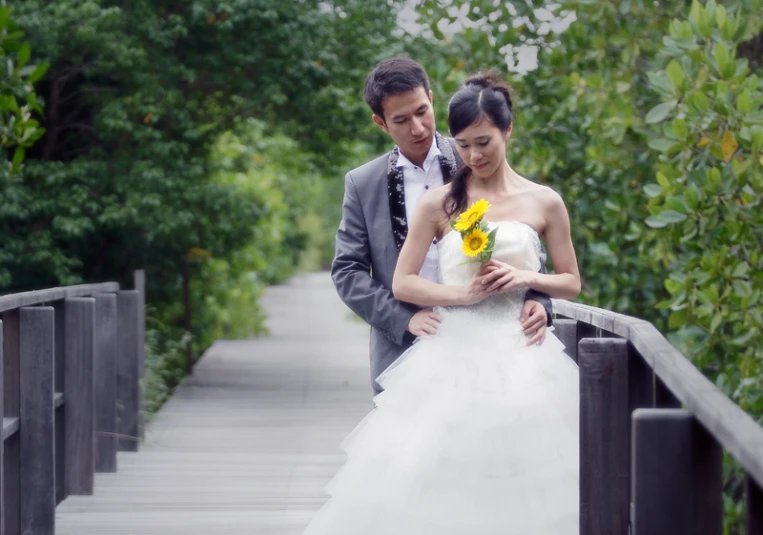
x=526 y=55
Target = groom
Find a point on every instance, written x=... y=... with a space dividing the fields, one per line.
x=380 y=198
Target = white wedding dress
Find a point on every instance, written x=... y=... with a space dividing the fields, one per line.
x=475 y=433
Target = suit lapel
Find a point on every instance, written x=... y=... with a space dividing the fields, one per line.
x=396 y=186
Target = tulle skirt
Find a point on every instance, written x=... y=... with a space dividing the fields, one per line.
x=474 y=434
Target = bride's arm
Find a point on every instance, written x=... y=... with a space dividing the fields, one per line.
x=564 y=283
x=407 y=285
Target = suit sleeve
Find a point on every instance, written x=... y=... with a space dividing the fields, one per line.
x=351 y=273
x=543 y=299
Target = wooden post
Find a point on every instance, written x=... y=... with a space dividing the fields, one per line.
x=663 y=397
x=10 y=505
x=677 y=475
x=128 y=405
x=2 y=427
x=60 y=389
x=36 y=428
x=139 y=278
x=753 y=500
x=604 y=422
x=105 y=379
x=80 y=396
x=186 y=272
x=567 y=332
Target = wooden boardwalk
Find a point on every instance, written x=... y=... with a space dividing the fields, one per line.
x=247 y=443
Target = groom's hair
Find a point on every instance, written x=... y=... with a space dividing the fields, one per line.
x=392 y=77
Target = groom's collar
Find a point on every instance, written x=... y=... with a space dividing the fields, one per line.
x=396 y=187
x=446 y=155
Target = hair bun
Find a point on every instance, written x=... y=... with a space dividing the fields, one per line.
x=486 y=79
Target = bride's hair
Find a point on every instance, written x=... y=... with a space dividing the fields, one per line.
x=483 y=96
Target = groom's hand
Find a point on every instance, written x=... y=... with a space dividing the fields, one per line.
x=533 y=320
x=424 y=322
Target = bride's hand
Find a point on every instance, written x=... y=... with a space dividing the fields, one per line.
x=500 y=277
x=475 y=292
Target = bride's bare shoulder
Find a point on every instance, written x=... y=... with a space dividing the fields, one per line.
x=544 y=196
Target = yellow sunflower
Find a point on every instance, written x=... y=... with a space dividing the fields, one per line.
x=472 y=216
x=475 y=242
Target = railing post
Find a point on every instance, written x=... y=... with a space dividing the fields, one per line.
x=140 y=286
x=105 y=374
x=2 y=429
x=128 y=405
x=10 y=505
x=567 y=332
x=677 y=475
x=36 y=428
x=604 y=422
x=59 y=385
x=663 y=397
x=79 y=395
x=753 y=498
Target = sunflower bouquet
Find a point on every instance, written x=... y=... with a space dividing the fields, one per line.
x=478 y=239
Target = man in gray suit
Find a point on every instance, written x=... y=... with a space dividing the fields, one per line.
x=380 y=198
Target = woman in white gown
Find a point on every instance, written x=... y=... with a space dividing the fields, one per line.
x=475 y=433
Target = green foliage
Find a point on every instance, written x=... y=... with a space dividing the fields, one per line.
x=579 y=122
x=18 y=129
x=707 y=199
x=629 y=93
x=144 y=104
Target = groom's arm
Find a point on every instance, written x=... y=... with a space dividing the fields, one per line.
x=534 y=295
x=351 y=272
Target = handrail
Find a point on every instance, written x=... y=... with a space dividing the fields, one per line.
x=732 y=427
x=38 y=297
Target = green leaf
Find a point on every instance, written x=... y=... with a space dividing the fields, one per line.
x=655 y=222
x=25 y=52
x=18 y=158
x=741 y=270
x=675 y=73
x=652 y=190
x=744 y=105
x=722 y=58
x=671 y=216
x=660 y=112
x=661 y=144
x=699 y=99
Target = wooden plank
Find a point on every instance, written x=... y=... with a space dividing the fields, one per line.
x=140 y=286
x=105 y=378
x=736 y=430
x=38 y=297
x=248 y=443
x=753 y=498
x=79 y=452
x=604 y=422
x=37 y=459
x=677 y=475
x=128 y=388
x=9 y=501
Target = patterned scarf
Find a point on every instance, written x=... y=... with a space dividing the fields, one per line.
x=396 y=187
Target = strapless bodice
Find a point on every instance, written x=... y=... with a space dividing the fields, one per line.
x=516 y=243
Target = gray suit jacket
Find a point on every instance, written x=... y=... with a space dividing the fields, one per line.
x=370 y=234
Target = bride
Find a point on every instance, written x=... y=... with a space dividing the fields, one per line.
x=475 y=433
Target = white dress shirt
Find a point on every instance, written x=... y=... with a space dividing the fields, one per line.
x=416 y=181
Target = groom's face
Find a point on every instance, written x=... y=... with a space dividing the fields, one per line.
x=409 y=120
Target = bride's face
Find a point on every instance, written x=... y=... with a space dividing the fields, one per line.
x=482 y=146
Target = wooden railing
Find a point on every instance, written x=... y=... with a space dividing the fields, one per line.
x=70 y=395
x=653 y=430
